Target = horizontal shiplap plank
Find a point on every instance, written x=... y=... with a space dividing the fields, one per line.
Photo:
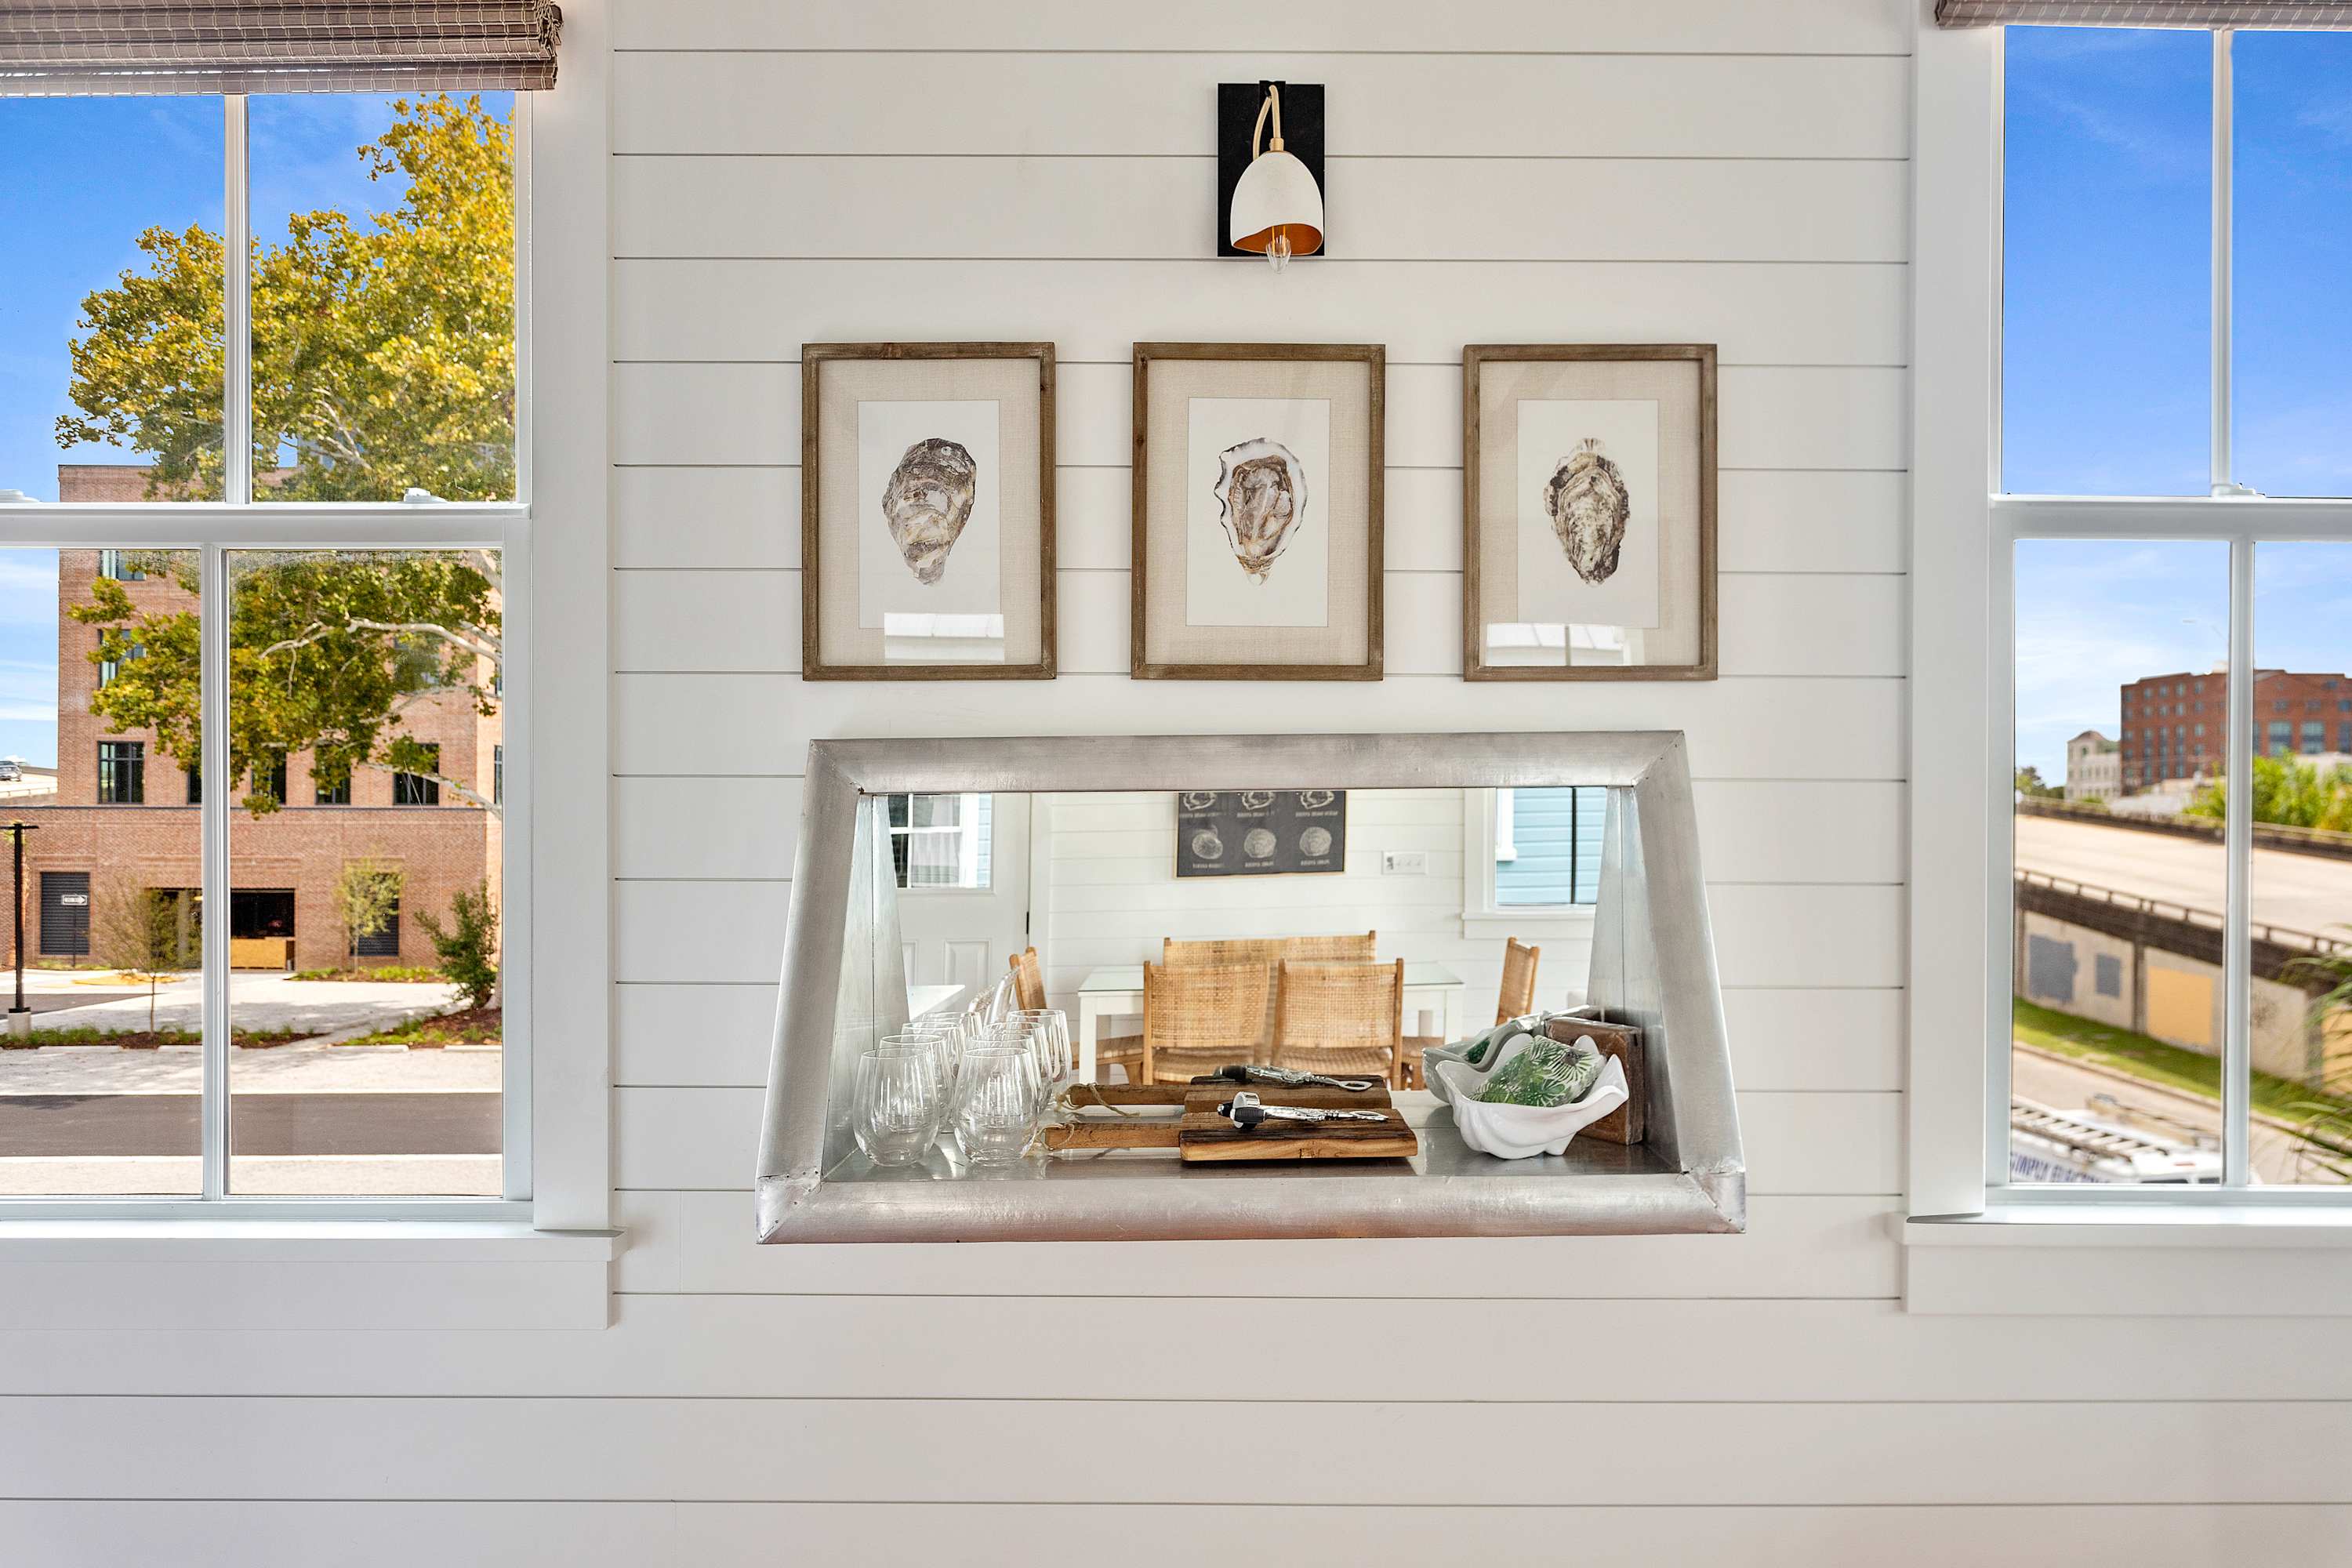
x=376 y=1534
x=698 y=932
x=105 y=1534
x=1720 y=1328
x=749 y=621
x=689 y=827
x=1781 y=1038
x=1408 y=209
x=1600 y=26
x=1203 y=1451
x=1756 y=313
x=1786 y=831
x=1164 y=105
x=1816 y=1143
x=1775 y=416
x=1809 y=728
x=1767 y=519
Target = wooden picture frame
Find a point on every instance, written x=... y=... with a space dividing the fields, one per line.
x=1166 y=642
x=1681 y=519
x=836 y=642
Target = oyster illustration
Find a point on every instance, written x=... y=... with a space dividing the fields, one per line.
x=928 y=501
x=1207 y=845
x=1257 y=844
x=1589 y=505
x=1261 y=500
x=1315 y=841
x=1256 y=799
x=1315 y=799
x=1198 y=799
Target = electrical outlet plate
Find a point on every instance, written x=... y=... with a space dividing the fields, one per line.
x=1405 y=863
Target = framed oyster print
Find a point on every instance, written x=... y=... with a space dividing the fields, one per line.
x=1587 y=512
x=1257 y=485
x=927 y=512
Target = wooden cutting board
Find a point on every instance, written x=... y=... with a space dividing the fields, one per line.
x=1200 y=1134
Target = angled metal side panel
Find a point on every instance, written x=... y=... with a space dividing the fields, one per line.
x=1688 y=993
x=792 y=1133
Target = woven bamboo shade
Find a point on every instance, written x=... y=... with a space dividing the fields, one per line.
x=273 y=46
x=2305 y=15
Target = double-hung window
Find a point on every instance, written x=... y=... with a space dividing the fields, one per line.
x=264 y=425
x=2166 y=1008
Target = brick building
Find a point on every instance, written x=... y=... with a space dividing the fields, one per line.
x=125 y=809
x=2173 y=725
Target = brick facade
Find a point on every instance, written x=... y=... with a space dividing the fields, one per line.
x=440 y=849
x=2174 y=725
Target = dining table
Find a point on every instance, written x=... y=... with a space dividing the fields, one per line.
x=1431 y=991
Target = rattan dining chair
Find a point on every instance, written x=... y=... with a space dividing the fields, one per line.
x=1341 y=1018
x=1198 y=1017
x=1269 y=951
x=1517 y=998
x=1119 y=1051
x=1348 y=947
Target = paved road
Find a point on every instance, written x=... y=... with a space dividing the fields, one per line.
x=2303 y=892
x=55 y=1125
x=2063 y=1085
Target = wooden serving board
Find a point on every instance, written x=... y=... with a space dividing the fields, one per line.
x=1200 y=1134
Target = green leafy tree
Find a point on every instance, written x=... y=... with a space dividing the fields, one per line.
x=384 y=352
x=2288 y=792
x=366 y=895
x=468 y=945
x=2029 y=784
x=136 y=929
x=328 y=653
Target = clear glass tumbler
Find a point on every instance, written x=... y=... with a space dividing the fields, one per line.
x=899 y=1099
x=1049 y=1038
x=996 y=1100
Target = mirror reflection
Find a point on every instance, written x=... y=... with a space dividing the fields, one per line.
x=1039 y=973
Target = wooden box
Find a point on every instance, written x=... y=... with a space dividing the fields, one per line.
x=1627 y=1123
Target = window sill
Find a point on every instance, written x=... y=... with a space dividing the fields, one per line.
x=2045 y=1260
x=1542 y=920
x=247 y=1274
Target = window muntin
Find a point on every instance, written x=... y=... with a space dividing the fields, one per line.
x=1548 y=846
x=941 y=840
x=122 y=772
x=2264 y=700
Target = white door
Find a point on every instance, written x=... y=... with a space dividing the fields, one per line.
x=963 y=899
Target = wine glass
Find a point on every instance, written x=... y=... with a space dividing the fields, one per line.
x=1049 y=1038
x=996 y=1100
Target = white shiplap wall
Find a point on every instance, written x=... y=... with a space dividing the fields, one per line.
x=1552 y=169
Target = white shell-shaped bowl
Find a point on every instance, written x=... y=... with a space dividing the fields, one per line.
x=1517 y=1131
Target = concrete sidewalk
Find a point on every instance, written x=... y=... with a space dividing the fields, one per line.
x=257 y=1001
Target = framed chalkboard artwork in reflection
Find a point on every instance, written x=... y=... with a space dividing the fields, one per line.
x=1261 y=832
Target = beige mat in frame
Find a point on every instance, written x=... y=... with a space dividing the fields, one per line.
x=1352 y=377
x=835 y=378
x=1681 y=378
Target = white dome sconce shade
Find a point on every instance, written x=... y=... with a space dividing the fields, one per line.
x=1270 y=170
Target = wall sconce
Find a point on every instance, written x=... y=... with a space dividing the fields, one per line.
x=1270 y=189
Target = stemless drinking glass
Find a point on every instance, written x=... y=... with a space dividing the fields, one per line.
x=996 y=1100
x=1049 y=1038
x=899 y=1103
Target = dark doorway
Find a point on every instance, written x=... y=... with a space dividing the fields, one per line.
x=65 y=914
x=261 y=912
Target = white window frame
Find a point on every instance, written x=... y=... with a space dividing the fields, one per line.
x=1965 y=532
x=539 y=1254
x=968 y=834
x=1487 y=818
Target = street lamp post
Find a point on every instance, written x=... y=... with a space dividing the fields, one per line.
x=20 y=1017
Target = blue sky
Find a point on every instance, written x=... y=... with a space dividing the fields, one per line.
x=80 y=179
x=2106 y=388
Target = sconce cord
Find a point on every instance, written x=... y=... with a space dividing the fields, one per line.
x=1274 y=103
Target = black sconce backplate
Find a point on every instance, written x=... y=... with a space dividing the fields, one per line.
x=1302 y=136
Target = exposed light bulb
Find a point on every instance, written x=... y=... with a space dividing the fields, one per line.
x=1277 y=250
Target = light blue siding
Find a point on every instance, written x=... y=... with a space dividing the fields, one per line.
x=1557 y=833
